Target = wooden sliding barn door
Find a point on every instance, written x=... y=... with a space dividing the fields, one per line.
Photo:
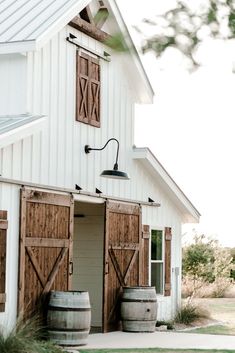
x=46 y=232
x=122 y=261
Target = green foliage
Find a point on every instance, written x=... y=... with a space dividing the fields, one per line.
x=169 y=324
x=198 y=259
x=28 y=336
x=117 y=42
x=204 y=261
x=189 y=313
x=185 y=26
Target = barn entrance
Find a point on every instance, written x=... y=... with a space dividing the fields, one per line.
x=80 y=245
x=88 y=251
x=107 y=255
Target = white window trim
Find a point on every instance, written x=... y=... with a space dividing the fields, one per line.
x=158 y=261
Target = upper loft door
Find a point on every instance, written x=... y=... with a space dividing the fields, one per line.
x=122 y=257
x=46 y=231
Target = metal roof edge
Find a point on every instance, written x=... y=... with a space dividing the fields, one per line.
x=22 y=131
x=132 y=48
x=61 y=22
x=17 y=47
x=146 y=154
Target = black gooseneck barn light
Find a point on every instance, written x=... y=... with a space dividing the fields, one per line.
x=112 y=173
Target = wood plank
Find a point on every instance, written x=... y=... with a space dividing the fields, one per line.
x=53 y=273
x=140 y=275
x=3 y=224
x=86 y=15
x=124 y=246
x=36 y=267
x=47 y=242
x=70 y=246
x=3 y=247
x=117 y=207
x=21 y=275
x=2 y=298
x=168 y=237
x=116 y=267
x=101 y=16
x=34 y=195
x=132 y=262
x=89 y=29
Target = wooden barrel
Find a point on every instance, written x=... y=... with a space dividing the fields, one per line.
x=69 y=317
x=139 y=309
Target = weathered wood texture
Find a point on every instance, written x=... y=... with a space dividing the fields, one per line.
x=45 y=246
x=88 y=90
x=89 y=29
x=122 y=257
x=3 y=245
x=168 y=238
x=145 y=257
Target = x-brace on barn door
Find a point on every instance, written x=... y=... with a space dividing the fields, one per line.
x=46 y=231
x=123 y=257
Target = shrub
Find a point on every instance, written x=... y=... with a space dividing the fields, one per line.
x=28 y=336
x=189 y=313
x=169 y=324
x=206 y=265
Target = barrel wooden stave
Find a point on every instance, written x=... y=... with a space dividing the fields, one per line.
x=139 y=309
x=69 y=318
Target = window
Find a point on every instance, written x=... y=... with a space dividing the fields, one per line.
x=88 y=90
x=157 y=260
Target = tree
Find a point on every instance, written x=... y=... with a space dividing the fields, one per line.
x=206 y=262
x=185 y=26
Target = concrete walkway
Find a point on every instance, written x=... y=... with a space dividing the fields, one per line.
x=159 y=340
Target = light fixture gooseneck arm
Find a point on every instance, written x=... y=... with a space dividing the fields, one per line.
x=88 y=149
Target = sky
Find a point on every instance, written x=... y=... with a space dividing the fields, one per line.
x=190 y=126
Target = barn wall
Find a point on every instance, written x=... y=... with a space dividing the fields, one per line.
x=13 y=84
x=88 y=256
x=56 y=155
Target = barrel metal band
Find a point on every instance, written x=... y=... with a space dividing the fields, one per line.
x=64 y=329
x=139 y=300
x=58 y=308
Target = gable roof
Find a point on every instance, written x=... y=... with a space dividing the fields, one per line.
x=189 y=212
x=26 y=25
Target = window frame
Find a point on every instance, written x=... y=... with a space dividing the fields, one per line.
x=162 y=229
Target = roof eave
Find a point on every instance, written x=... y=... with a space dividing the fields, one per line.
x=22 y=131
x=189 y=212
x=17 y=47
x=147 y=97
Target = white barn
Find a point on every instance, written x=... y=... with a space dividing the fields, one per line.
x=62 y=226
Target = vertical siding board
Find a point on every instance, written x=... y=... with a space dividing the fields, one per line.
x=72 y=138
x=7 y=166
x=61 y=103
x=53 y=165
x=27 y=159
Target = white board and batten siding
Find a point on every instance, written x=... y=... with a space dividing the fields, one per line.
x=55 y=156
x=13 y=86
x=61 y=161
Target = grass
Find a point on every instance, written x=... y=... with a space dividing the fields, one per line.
x=189 y=313
x=155 y=350
x=28 y=336
x=215 y=330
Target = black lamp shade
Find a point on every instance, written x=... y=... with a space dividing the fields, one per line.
x=114 y=174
